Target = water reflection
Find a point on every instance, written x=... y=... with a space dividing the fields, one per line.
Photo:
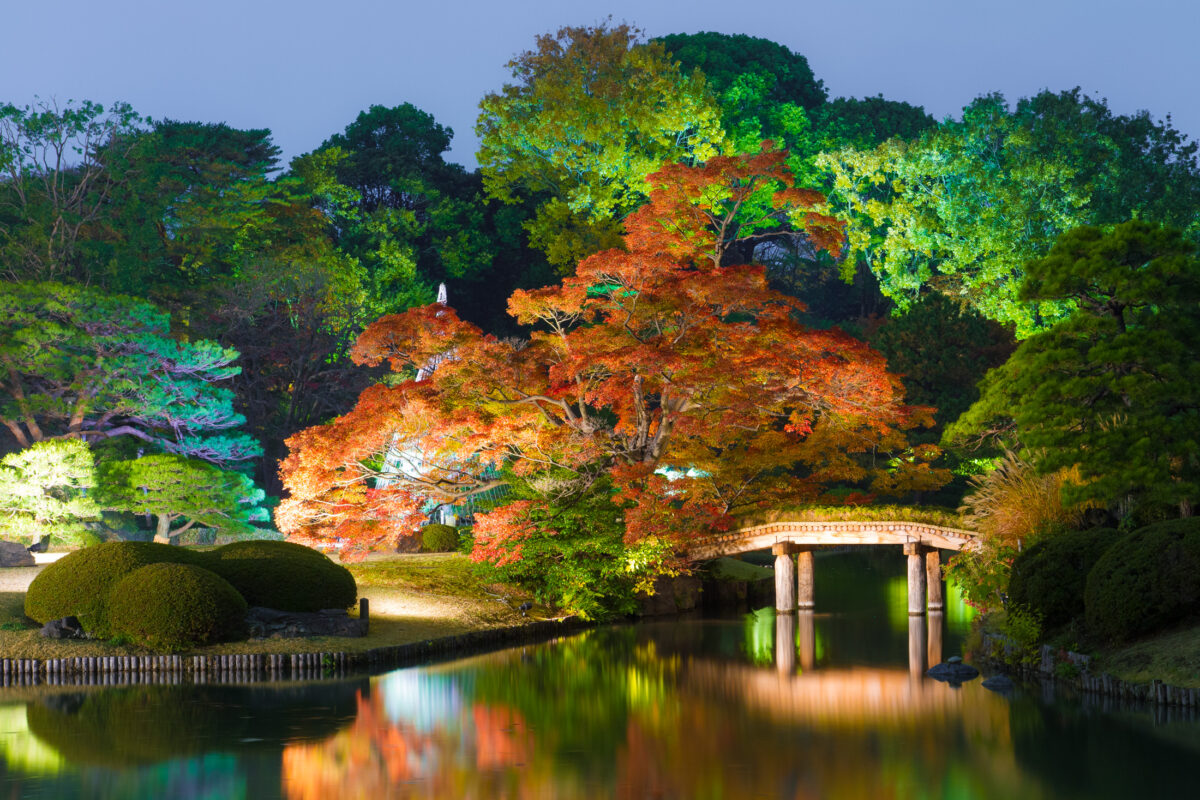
x=832 y=704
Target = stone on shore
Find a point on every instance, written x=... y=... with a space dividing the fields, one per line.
x=65 y=628
x=269 y=623
x=15 y=554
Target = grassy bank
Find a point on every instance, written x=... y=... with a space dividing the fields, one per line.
x=1172 y=657
x=413 y=598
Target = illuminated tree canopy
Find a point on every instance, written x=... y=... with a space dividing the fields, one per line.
x=83 y=364
x=679 y=377
x=962 y=209
x=1113 y=389
x=591 y=113
x=178 y=489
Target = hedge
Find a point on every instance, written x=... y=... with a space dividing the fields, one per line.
x=1145 y=581
x=171 y=607
x=283 y=575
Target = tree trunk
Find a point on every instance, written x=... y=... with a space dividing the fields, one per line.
x=162 y=533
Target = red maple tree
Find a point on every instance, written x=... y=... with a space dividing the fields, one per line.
x=682 y=378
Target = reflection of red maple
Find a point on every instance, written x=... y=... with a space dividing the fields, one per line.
x=662 y=354
x=366 y=760
x=501 y=737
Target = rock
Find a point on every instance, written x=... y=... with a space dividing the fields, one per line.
x=15 y=554
x=65 y=628
x=269 y=623
x=671 y=596
x=1000 y=684
x=953 y=673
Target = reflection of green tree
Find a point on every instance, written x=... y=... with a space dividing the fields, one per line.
x=597 y=680
x=759 y=629
x=21 y=750
x=145 y=724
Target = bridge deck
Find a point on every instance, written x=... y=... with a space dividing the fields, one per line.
x=759 y=537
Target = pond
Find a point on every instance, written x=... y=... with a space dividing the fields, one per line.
x=748 y=706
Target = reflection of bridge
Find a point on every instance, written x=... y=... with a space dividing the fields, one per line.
x=853 y=697
x=922 y=544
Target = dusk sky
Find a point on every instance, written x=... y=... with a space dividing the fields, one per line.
x=305 y=69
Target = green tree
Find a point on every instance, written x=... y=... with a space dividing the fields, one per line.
x=177 y=489
x=763 y=89
x=56 y=188
x=942 y=349
x=44 y=490
x=410 y=218
x=963 y=208
x=79 y=363
x=592 y=112
x=1114 y=390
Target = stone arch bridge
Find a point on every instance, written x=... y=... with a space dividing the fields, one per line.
x=923 y=543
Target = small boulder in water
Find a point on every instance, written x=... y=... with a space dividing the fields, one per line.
x=1000 y=684
x=953 y=672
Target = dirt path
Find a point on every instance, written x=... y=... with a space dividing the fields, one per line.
x=17 y=579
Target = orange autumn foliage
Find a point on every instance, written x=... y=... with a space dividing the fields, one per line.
x=683 y=379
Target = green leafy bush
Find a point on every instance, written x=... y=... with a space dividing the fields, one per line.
x=1145 y=581
x=283 y=575
x=1049 y=578
x=175 y=606
x=78 y=584
x=437 y=538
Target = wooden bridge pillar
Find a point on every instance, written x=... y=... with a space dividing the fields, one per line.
x=933 y=578
x=785 y=578
x=804 y=578
x=916 y=578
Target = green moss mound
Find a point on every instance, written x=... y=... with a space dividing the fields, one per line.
x=172 y=607
x=1050 y=577
x=79 y=583
x=1145 y=581
x=437 y=538
x=283 y=575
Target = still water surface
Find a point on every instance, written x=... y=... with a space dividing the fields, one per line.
x=832 y=705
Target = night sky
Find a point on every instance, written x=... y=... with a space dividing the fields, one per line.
x=305 y=69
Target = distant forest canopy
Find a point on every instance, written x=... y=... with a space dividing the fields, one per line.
x=287 y=265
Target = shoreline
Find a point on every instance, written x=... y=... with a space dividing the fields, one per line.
x=106 y=671
x=1074 y=670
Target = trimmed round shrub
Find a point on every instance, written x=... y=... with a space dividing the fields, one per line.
x=283 y=575
x=1145 y=581
x=78 y=584
x=175 y=606
x=1049 y=578
x=438 y=538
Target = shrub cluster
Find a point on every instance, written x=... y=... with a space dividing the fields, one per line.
x=437 y=538
x=1122 y=585
x=1049 y=577
x=190 y=597
x=78 y=584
